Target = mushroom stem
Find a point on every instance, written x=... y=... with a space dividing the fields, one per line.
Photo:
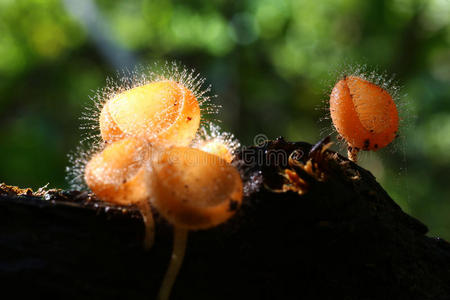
x=179 y=247
x=149 y=222
x=352 y=154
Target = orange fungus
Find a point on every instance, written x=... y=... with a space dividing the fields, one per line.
x=116 y=174
x=219 y=148
x=194 y=189
x=164 y=113
x=363 y=113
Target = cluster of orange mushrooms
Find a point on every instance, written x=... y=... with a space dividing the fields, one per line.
x=152 y=159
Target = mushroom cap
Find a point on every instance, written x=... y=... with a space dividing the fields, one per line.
x=194 y=189
x=217 y=147
x=109 y=130
x=364 y=114
x=117 y=174
x=163 y=113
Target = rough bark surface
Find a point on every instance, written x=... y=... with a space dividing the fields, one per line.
x=336 y=234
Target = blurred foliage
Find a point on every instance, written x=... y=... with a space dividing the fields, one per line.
x=272 y=63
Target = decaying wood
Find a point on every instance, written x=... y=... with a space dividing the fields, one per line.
x=320 y=230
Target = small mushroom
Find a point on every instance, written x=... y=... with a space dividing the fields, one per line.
x=193 y=190
x=117 y=175
x=211 y=139
x=364 y=114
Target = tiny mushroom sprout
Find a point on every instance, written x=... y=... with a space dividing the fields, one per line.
x=193 y=190
x=210 y=139
x=219 y=148
x=118 y=175
x=364 y=114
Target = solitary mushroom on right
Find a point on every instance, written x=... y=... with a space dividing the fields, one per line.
x=364 y=114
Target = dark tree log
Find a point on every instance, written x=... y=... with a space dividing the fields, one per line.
x=343 y=238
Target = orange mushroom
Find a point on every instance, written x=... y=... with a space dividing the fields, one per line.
x=364 y=114
x=210 y=139
x=163 y=113
x=193 y=190
x=219 y=148
x=118 y=175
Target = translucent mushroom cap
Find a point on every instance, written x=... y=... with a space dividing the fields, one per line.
x=211 y=139
x=117 y=174
x=364 y=114
x=163 y=113
x=193 y=189
x=219 y=148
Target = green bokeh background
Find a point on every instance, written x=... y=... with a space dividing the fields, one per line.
x=271 y=63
